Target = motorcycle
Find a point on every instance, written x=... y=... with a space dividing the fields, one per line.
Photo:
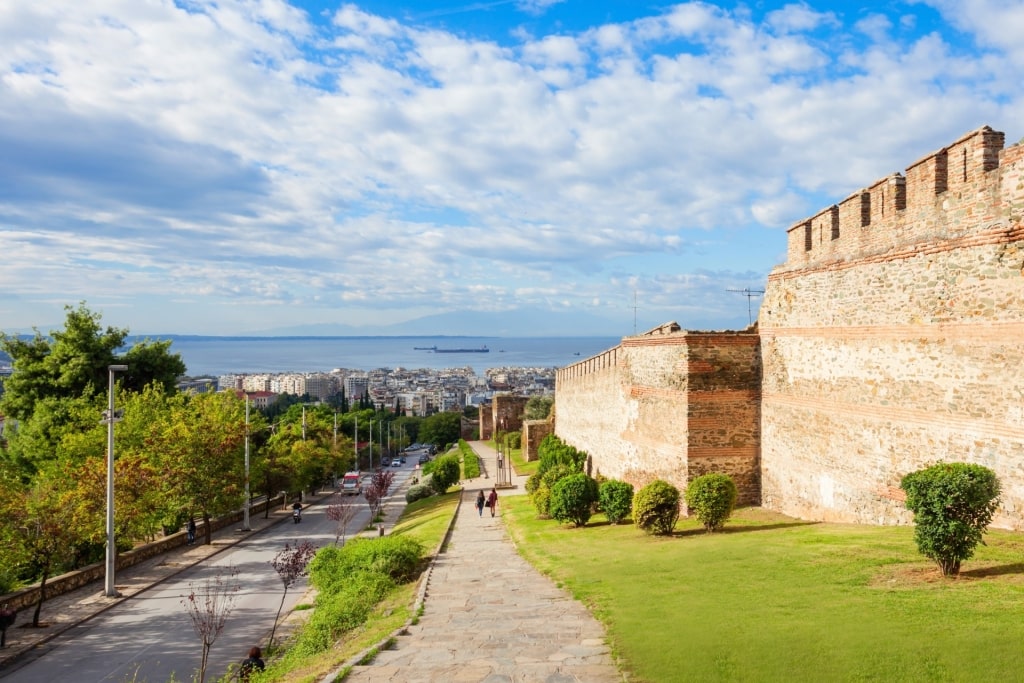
x=297 y=515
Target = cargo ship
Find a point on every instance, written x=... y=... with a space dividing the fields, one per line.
x=482 y=349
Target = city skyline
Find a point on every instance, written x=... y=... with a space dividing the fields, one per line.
x=530 y=167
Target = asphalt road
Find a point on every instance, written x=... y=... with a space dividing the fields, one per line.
x=150 y=638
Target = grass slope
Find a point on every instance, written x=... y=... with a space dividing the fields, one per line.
x=426 y=521
x=776 y=599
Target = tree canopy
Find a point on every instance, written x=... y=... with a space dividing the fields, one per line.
x=73 y=362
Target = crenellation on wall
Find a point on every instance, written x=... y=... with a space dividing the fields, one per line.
x=675 y=403
x=891 y=339
x=947 y=193
x=900 y=353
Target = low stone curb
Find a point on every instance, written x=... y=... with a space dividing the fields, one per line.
x=421 y=598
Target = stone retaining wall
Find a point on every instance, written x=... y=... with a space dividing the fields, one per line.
x=65 y=583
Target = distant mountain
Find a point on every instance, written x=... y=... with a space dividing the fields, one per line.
x=515 y=323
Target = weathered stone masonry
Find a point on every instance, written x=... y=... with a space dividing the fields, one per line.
x=891 y=338
x=667 y=405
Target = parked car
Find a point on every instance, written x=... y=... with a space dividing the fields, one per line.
x=424 y=458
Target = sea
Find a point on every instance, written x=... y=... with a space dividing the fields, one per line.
x=237 y=355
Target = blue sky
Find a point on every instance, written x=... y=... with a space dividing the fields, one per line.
x=244 y=165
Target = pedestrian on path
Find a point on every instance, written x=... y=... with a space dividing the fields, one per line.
x=191 y=531
x=492 y=500
x=480 y=501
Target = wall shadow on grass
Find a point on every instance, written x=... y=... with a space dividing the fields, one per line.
x=742 y=529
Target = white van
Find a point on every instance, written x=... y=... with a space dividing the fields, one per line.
x=352 y=484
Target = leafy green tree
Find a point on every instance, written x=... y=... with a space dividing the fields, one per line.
x=201 y=450
x=441 y=429
x=572 y=499
x=444 y=473
x=73 y=362
x=953 y=504
x=538 y=407
x=711 y=497
x=39 y=531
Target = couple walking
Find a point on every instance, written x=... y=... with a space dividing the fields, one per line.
x=491 y=501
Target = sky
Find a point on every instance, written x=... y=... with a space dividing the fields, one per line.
x=570 y=166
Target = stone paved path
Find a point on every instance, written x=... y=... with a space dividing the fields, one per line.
x=489 y=617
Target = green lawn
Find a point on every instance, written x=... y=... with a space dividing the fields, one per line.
x=776 y=599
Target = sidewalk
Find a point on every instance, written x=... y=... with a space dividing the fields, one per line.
x=489 y=617
x=65 y=611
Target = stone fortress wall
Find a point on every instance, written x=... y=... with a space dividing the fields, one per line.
x=892 y=338
x=667 y=404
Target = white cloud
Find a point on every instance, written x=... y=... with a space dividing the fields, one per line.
x=233 y=151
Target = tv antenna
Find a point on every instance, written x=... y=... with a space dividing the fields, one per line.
x=750 y=294
x=634 y=312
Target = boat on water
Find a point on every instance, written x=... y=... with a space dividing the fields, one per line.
x=482 y=349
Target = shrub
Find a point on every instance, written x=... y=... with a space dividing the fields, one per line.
x=711 y=497
x=397 y=557
x=554 y=451
x=542 y=501
x=445 y=473
x=572 y=498
x=342 y=610
x=470 y=461
x=952 y=503
x=553 y=474
x=418 y=492
x=616 y=499
x=542 y=484
x=656 y=507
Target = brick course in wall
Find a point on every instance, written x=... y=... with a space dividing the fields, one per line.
x=669 y=405
x=892 y=338
x=898 y=343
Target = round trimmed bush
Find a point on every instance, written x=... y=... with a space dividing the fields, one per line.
x=572 y=498
x=543 y=482
x=711 y=497
x=616 y=499
x=952 y=503
x=418 y=492
x=554 y=473
x=656 y=508
x=542 y=501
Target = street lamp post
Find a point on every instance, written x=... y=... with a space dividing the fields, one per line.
x=245 y=512
x=110 y=417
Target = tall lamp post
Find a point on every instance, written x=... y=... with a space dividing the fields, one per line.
x=110 y=416
x=245 y=510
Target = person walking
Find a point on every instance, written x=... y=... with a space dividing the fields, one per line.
x=480 y=500
x=492 y=500
x=252 y=664
x=191 y=531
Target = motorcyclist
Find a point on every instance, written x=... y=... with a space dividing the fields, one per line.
x=297 y=511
